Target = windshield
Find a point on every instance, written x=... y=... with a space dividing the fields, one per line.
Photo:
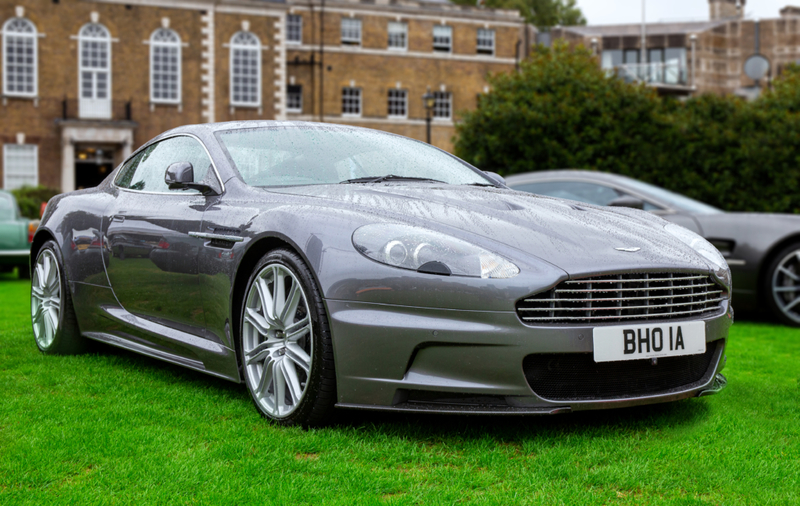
x=7 y=208
x=318 y=154
x=673 y=199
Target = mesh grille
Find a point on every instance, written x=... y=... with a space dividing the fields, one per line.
x=576 y=376
x=624 y=297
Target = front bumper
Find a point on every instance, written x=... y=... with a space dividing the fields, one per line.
x=404 y=358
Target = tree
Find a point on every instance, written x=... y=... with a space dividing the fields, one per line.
x=560 y=111
x=540 y=13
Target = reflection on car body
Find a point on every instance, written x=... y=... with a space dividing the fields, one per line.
x=329 y=266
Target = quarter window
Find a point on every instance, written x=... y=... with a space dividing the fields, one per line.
x=19 y=58
x=485 y=41
x=146 y=170
x=351 y=101
x=398 y=36
x=245 y=70
x=442 y=105
x=442 y=38
x=398 y=103
x=294 y=29
x=294 y=98
x=165 y=66
x=20 y=165
x=351 y=31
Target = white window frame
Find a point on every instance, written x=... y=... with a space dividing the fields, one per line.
x=95 y=108
x=348 y=40
x=296 y=110
x=176 y=44
x=5 y=163
x=441 y=47
x=299 y=18
x=404 y=100
x=360 y=102
x=491 y=37
x=34 y=36
x=234 y=46
x=440 y=96
x=404 y=31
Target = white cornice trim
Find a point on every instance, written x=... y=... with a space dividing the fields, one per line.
x=406 y=54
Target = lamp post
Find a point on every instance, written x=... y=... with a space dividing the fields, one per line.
x=428 y=101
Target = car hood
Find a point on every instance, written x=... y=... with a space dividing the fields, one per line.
x=580 y=239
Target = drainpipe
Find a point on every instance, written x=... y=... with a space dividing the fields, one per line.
x=693 y=38
x=643 y=58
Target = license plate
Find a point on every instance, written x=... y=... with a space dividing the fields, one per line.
x=635 y=342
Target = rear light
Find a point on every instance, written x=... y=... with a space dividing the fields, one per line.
x=32 y=226
x=162 y=244
x=42 y=209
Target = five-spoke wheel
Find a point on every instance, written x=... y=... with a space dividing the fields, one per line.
x=283 y=329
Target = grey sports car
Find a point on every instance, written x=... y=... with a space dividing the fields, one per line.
x=762 y=250
x=329 y=266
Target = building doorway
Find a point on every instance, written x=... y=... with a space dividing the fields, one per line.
x=93 y=162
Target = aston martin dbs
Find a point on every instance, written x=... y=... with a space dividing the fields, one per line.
x=336 y=267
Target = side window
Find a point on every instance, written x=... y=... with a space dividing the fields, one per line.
x=145 y=171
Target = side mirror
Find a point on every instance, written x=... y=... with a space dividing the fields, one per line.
x=495 y=178
x=179 y=175
x=627 y=201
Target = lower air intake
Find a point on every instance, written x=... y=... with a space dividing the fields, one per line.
x=576 y=376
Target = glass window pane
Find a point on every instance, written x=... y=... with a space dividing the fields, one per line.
x=147 y=169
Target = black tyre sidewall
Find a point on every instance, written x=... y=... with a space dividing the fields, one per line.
x=767 y=285
x=67 y=340
x=316 y=405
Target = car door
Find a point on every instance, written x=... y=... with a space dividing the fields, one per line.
x=152 y=267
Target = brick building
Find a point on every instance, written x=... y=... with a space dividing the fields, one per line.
x=687 y=58
x=87 y=81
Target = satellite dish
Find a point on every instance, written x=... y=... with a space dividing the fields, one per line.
x=756 y=67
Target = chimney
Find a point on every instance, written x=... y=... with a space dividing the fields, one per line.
x=726 y=9
x=790 y=11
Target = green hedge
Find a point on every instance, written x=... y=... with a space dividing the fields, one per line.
x=30 y=199
x=562 y=111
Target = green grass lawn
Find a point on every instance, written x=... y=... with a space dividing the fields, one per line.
x=112 y=427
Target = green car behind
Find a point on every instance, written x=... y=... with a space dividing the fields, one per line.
x=15 y=234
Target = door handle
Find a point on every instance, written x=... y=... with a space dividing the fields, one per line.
x=118 y=218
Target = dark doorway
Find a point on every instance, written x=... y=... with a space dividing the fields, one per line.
x=93 y=163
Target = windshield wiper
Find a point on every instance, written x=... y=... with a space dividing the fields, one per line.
x=389 y=177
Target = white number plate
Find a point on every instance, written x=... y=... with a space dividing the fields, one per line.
x=633 y=342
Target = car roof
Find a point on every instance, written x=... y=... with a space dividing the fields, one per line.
x=531 y=177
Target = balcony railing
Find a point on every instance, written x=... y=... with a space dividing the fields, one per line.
x=656 y=74
x=112 y=110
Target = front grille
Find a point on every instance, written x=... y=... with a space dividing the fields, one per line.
x=576 y=376
x=624 y=297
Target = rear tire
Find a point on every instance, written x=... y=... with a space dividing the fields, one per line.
x=285 y=343
x=782 y=285
x=55 y=327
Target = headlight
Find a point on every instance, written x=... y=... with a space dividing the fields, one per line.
x=705 y=249
x=423 y=250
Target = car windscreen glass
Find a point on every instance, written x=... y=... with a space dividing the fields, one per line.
x=7 y=208
x=311 y=155
x=673 y=199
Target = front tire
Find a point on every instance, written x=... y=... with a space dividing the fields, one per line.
x=285 y=345
x=55 y=327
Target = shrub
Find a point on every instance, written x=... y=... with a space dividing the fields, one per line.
x=30 y=199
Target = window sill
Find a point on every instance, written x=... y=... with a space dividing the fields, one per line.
x=294 y=111
x=32 y=98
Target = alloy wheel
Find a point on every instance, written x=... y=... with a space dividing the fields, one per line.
x=277 y=339
x=45 y=298
x=786 y=286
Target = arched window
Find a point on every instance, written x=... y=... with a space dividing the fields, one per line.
x=19 y=58
x=165 y=66
x=245 y=70
x=94 y=71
